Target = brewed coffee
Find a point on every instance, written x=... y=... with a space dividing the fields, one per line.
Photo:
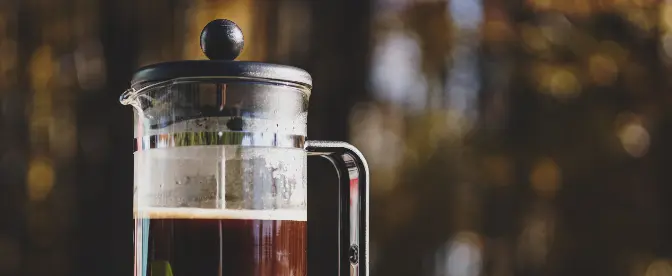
x=207 y=242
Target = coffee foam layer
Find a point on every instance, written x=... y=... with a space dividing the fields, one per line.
x=200 y=213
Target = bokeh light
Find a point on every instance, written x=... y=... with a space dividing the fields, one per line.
x=42 y=68
x=659 y=268
x=378 y=134
x=561 y=83
x=464 y=256
x=533 y=38
x=546 y=177
x=396 y=72
x=634 y=137
x=536 y=240
x=603 y=69
x=40 y=179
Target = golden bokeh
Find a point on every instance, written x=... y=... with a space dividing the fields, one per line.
x=643 y=19
x=613 y=50
x=41 y=68
x=666 y=17
x=546 y=177
x=561 y=83
x=659 y=268
x=533 y=38
x=541 y=4
x=603 y=69
x=635 y=139
x=40 y=178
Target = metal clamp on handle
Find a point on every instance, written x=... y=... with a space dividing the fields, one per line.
x=353 y=174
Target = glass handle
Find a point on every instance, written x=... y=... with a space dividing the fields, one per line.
x=353 y=174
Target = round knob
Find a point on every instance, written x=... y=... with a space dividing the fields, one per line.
x=222 y=39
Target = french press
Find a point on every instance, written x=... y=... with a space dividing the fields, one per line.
x=220 y=155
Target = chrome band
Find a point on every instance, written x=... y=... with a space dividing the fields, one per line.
x=221 y=138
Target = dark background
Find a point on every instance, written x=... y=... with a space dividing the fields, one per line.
x=521 y=137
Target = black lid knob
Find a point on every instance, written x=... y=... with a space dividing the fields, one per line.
x=222 y=39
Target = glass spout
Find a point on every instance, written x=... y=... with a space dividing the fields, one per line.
x=128 y=96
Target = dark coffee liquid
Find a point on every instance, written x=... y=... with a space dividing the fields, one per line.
x=216 y=246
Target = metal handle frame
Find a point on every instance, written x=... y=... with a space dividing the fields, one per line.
x=353 y=174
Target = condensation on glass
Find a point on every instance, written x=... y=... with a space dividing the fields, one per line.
x=220 y=143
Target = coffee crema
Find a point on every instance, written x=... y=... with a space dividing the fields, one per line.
x=205 y=242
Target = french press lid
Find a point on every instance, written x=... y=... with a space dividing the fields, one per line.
x=221 y=41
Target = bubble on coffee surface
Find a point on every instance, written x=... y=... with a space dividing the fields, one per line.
x=221 y=177
x=203 y=213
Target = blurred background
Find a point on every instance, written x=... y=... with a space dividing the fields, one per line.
x=505 y=137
